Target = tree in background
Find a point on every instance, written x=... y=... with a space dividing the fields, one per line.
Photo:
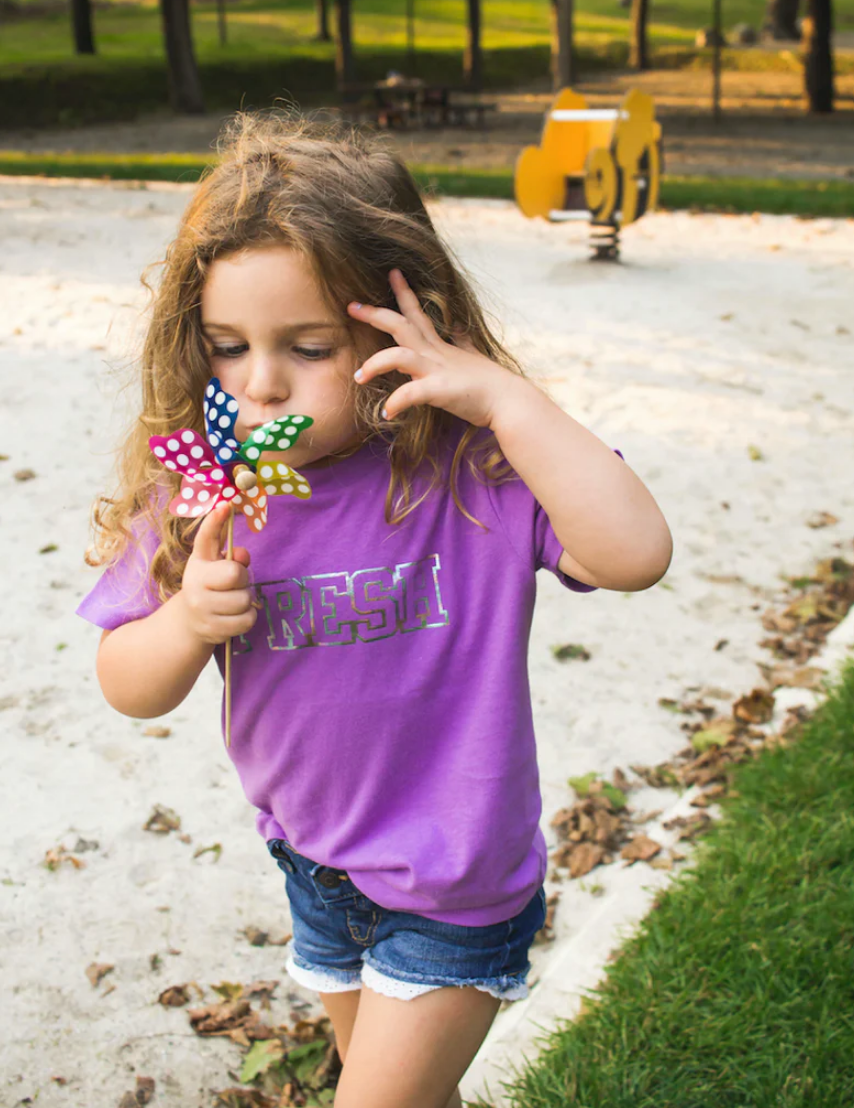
x=472 y=59
x=321 y=8
x=345 y=68
x=638 y=49
x=81 y=25
x=185 y=86
x=818 y=55
x=781 y=20
x=563 y=63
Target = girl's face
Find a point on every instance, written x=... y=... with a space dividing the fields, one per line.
x=276 y=347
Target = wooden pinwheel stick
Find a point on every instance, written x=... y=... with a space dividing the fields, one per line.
x=245 y=480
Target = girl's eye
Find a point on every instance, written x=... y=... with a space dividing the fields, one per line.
x=229 y=351
x=313 y=353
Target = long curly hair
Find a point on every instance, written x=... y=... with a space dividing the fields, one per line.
x=346 y=202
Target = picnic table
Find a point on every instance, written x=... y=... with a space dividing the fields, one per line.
x=402 y=102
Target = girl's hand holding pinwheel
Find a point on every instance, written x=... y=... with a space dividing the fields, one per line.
x=219 y=477
x=215 y=591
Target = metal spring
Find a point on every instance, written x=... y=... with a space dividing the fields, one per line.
x=605 y=242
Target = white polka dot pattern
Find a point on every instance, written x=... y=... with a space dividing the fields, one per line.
x=278 y=434
x=281 y=480
x=220 y=418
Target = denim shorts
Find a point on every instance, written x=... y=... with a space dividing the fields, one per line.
x=343 y=940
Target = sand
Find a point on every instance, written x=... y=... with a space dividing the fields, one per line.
x=715 y=335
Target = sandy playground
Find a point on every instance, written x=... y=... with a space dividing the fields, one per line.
x=717 y=357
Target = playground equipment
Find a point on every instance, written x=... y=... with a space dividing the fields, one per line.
x=600 y=164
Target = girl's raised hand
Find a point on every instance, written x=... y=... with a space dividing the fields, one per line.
x=454 y=376
x=215 y=592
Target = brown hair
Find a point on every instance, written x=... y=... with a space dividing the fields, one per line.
x=349 y=205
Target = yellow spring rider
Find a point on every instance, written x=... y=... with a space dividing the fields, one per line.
x=600 y=164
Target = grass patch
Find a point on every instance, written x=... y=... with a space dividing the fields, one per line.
x=271 y=51
x=736 y=992
x=723 y=194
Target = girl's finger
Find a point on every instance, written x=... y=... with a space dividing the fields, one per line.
x=410 y=305
x=407 y=396
x=402 y=330
x=399 y=358
x=208 y=541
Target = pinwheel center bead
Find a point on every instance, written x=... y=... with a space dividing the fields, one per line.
x=244 y=478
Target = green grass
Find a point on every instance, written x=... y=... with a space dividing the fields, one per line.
x=737 y=991
x=727 y=194
x=271 y=51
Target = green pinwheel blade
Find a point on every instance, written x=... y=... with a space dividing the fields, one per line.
x=278 y=434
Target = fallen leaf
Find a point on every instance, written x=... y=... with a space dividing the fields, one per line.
x=582 y=784
x=570 y=651
x=49 y=548
x=718 y=733
x=795 y=677
x=755 y=707
x=640 y=849
x=662 y=776
x=54 y=858
x=144 y=1090
x=246 y=1098
x=162 y=820
x=96 y=971
x=24 y=474
x=822 y=519
x=157 y=731
x=228 y=990
x=262 y=990
x=754 y=453
x=262 y=1054
x=176 y=996
x=214 y=848
x=256 y=936
x=584 y=858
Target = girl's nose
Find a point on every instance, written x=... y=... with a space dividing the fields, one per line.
x=267 y=383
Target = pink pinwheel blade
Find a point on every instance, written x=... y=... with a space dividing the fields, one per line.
x=186 y=452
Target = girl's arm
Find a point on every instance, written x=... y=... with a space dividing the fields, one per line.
x=611 y=529
x=148 y=666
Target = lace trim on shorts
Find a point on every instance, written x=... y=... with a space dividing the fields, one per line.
x=319 y=981
x=408 y=990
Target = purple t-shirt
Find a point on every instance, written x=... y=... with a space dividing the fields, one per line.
x=381 y=711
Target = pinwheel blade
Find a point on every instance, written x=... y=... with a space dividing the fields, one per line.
x=220 y=417
x=184 y=452
x=195 y=499
x=253 y=505
x=278 y=434
x=278 y=479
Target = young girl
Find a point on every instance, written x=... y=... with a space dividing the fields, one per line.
x=381 y=710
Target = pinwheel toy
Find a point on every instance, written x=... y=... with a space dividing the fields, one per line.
x=221 y=468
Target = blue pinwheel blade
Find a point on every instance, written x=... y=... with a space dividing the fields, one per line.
x=220 y=417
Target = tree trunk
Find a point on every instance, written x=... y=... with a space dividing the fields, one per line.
x=322 y=11
x=563 y=62
x=472 y=59
x=185 y=87
x=345 y=69
x=81 y=25
x=638 y=53
x=781 y=20
x=818 y=63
